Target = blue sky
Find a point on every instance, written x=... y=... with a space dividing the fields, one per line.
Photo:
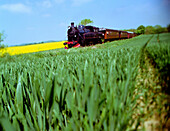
x=27 y=21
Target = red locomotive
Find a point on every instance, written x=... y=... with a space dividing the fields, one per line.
x=87 y=35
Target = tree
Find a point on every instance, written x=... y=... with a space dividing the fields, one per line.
x=85 y=22
x=131 y=30
x=149 y=30
x=2 y=37
x=168 y=28
x=158 y=29
x=140 y=30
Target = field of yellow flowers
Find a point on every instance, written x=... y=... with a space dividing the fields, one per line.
x=16 y=50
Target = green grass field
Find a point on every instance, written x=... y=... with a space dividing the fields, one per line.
x=119 y=85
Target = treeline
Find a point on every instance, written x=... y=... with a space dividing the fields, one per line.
x=2 y=37
x=157 y=29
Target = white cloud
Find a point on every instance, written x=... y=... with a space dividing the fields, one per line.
x=80 y=2
x=46 y=15
x=47 y=3
x=63 y=24
x=18 y=8
x=30 y=28
x=59 y=1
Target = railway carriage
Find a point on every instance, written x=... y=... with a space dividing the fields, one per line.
x=123 y=34
x=110 y=34
x=130 y=34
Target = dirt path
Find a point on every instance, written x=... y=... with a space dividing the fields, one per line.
x=152 y=104
x=152 y=107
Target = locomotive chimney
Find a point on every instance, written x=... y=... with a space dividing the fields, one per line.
x=72 y=24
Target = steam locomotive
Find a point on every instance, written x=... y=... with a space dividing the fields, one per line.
x=87 y=35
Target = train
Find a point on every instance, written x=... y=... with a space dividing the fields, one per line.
x=91 y=35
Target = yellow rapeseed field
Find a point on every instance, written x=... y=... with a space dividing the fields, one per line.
x=16 y=50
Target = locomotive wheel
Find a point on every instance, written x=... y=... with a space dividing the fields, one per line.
x=70 y=46
x=90 y=43
x=96 y=41
x=83 y=43
x=100 y=41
